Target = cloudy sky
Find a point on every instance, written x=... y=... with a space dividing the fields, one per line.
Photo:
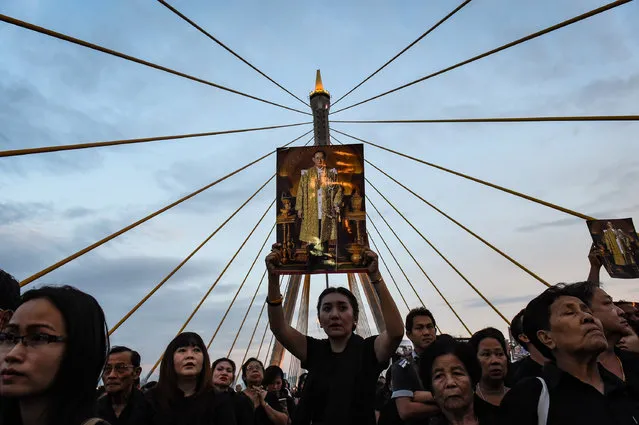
x=55 y=93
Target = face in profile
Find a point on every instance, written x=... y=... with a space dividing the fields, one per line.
x=188 y=361
x=30 y=370
x=223 y=375
x=492 y=359
x=336 y=315
x=254 y=373
x=452 y=386
x=612 y=317
x=119 y=373
x=573 y=328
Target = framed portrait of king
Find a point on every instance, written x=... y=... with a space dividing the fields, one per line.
x=616 y=245
x=321 y=216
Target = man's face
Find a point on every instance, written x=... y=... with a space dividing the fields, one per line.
x=573 y=329
x=630 y=312
x=119 y=374
x=423 y=332
x=612 y=317
x=319 y=160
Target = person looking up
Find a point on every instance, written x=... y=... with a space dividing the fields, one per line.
x=223 y=377
x=184 y=393
x=421 y=330
x=123 y=403
x=342 y=369
x=268 y=409
x=630 y=312
x=451 y=370
x=52 y=353
x=531 y=365
x=574 y=389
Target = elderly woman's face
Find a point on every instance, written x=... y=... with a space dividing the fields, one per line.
x=452 y=387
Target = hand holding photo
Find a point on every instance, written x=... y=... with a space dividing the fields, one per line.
x=616 y=247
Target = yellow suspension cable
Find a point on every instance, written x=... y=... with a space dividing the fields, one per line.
x=47 y=149
x=179 y=266
x=237 y=293
x=499 y=119
x=257 y=356
x=270 y=346
x=206 y=295
x=498 y=49
x=441 y=295
x=388 y=271
x=64 y=37
x=494 y=186
x=497 y=250
x=145 y=219
x=248 y=347
x=440 y=254
x=228 y=49
x=246 y=315
x=370 y=220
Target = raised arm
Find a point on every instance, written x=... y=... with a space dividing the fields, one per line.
x=289 y=337
x=388 y=341
x=595 y=264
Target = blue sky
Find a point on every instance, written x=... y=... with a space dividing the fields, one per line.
x=56 y=93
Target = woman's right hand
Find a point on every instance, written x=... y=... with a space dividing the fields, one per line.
x=274 y=258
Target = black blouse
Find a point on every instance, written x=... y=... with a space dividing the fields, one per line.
x=205 y=409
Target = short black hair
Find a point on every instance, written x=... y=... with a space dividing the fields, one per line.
x=135 y=356
x=517 y=328
x=441 y=347
x=419 y=311
x=9 y=292
x=227 y=360
x=585 y=291
x=245 y=365
x=537 y=316
x=320 y=151
x=271 y=373
x=481 y=335
x=348 y=294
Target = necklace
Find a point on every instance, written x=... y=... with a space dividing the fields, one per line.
x=481 y=393
x=623 y=373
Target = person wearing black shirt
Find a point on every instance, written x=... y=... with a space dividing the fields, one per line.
x=267 y=406
x=223 y=376
x=529 y=366
x=123 y=403
x=574 y=389
x=452 y=371
x=342 y=369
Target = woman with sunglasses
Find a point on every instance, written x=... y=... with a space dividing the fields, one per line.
x=51 y=356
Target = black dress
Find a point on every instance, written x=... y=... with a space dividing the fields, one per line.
x=340 y=388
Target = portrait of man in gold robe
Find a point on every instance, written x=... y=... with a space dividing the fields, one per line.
x=614 y=244
x=617 y=245
x=318 y=204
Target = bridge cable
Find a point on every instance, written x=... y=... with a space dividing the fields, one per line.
x=582 y=118
x=259 y=318
x=491 y=246
x=498 y=49
x=225 y=47
x=47 y=149
x=388 y=270
x=486 y=183
x=431 y=29
x=145 y=219
x=440 y=254
x=237 y=293
x=64 y=37
x=214 y=284
x=179 y=266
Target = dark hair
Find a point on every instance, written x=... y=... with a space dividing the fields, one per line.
x=224 y=359
x=135 y=356
x=301 y=381
x=72 y=393
x=271 y=373
x=624 y=302
x=343 y=291
x=481 y=335
x=585 y=291
x=245 y=365
x=167 y=388
x=441 y=347
x=419 y=311
x=320 y=151
x=537 y=316
x=9 y=292
x=517 y=328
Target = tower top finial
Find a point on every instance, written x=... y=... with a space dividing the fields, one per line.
x=319 y=87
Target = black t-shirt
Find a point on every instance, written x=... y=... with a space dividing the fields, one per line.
x=572 y=402
x=136 y=412
x=327 y=371
x=525 y=368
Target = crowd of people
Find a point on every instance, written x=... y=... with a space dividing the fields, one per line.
x=57 y=366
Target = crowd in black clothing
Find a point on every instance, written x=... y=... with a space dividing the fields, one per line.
x=582 y=367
